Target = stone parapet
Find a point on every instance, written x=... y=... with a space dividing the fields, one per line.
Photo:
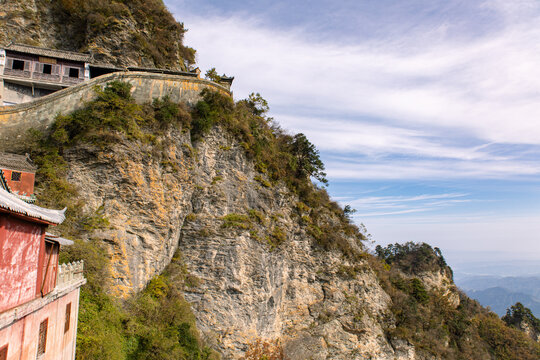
x=69 y=273
x=16 y=120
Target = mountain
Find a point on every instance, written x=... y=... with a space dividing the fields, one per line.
x=499 y=293
x=204 y=237
x=523 y=284
x=121 y=33
x=500 y=299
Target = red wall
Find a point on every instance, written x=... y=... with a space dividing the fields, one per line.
x=21 y=244
x=26 y=185
x=22 y=336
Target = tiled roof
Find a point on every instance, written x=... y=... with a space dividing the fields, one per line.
x=59 y=54
x=12 y=203
x=16 y=162
x=58 y=239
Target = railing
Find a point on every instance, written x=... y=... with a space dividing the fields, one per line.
x=69 y=273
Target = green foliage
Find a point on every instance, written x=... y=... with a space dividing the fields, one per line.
x=155 y=324
x=518 y=314
x=159 y=39
x=234 y=220
x=277 y=237
x=413 y=258
x=281 y=157
x=169 y=113
x=505 y=343
x=161 y=325
x=256 y=104
x=429 y=321
x=262 y=181
x=114 y=115
x=418 y=291
x=306 y=160
x=213 y=75
x=257 y=216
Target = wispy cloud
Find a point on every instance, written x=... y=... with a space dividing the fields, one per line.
x=443 y=98
x=419 y=97
x=398 y=205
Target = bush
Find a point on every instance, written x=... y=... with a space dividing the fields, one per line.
x=413 y=258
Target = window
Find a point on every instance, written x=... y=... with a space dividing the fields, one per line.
x=18 y=65
x=47 y=68
x=15 y=176
x=42 y=340
x=3 y=353
x=68 y=318
x=73 y=72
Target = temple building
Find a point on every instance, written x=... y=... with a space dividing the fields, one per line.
x=39 y=299
x=30 y=72
x=17 y=173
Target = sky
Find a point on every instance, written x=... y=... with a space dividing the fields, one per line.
x=426 y=113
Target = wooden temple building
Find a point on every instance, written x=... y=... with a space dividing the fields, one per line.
x=30 y=72
x=39 y=299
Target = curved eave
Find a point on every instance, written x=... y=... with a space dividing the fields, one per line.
x=11 y=204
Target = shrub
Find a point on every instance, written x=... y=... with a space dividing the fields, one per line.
x=233 y=220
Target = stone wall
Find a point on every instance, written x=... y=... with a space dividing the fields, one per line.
x=40 y=114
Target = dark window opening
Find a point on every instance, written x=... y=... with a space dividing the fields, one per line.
x=18 y=65
x=15 y=176
x=42 y=340
x=68 y=317
x=73 y=72
x=3 y=353
x=47 y=68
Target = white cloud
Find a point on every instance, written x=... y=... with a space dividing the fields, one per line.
x=414 y=107
x=488 y=88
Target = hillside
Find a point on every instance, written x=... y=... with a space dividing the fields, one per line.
x=121 y=33
x=211 y=208
x=203 y=231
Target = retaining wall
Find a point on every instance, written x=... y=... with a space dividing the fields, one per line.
x=40 y=114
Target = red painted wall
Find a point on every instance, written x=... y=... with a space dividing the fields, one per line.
x=21 y=244
x=22 y=336
x=24 y=186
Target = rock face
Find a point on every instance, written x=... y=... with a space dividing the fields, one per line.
x=209 y=202
x=117 y=33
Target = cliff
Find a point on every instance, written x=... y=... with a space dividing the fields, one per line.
x=202 y=233
x=121 y=33
x=268 y=264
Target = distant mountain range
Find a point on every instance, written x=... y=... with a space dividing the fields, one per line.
x=499 y=293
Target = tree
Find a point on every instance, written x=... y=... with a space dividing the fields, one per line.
x=517 y=314
x=307 y=160
x=257 y=104
x=212 y=75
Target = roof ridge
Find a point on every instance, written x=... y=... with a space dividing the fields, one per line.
x=45 y=48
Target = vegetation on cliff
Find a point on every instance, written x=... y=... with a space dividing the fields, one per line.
x=431 y=321
x=158 y=323
x=120 y=32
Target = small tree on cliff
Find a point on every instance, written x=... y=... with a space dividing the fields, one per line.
x=306 y=159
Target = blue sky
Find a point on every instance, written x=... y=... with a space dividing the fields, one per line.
x=426 y=113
